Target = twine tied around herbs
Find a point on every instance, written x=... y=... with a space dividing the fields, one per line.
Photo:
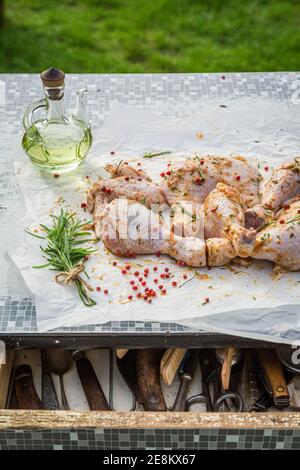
x=67 y=277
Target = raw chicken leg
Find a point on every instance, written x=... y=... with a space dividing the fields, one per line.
x=123 y=169
x=128 y=228
x=224 y=218
x=198 y=176
x=280 y=240
x=136 y=189
x=283 y=185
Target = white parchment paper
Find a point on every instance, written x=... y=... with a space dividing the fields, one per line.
x=243 y=300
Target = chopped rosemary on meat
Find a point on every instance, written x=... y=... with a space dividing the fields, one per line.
x=199 y=168
x=185 y=211
x=265 y=237
x=118 y=167
x=65 y=252
x=294 y=219
x=158 y=154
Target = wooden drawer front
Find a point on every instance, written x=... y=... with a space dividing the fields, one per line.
x=139 y=430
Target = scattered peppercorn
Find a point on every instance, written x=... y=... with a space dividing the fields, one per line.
x=98 y=289
x=105 y=291
x=174 y=283
x=130 y=297
x=163 y=174
x=83 y=205
x=238 y=178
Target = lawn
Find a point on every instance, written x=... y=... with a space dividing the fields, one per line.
x=150 y=35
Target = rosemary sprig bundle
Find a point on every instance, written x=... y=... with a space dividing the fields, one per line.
x=65 y=252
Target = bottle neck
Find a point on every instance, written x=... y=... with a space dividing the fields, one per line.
x=56 y=103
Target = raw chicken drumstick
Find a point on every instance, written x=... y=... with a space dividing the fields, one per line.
x=135 y=188
x=283 y=185
x=128 y=228
x=224 y=218
x=198 y=176
x=280 y=240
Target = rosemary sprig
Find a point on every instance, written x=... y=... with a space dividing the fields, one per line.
x=158 y=154
x=190 y=279
x=293 y=219
x=65 y=252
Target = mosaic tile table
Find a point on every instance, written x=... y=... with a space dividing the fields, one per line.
x=17 y=311
x=168 y=94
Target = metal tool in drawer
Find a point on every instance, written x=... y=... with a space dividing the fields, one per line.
x=230 y=399
x=186 y=373
x=250 y=387
x=273 y=377
x=207 y=367
x=221 y=400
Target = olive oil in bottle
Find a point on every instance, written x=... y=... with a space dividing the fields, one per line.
x=56 y=143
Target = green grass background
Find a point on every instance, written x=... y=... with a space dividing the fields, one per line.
x=150 y=35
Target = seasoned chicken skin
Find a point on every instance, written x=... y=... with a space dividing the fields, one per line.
x=280 y=240
x=224 y=218
x=198 y=176
x=188 y=219
x=283 y=185
x=123 y=169
x=140 y=190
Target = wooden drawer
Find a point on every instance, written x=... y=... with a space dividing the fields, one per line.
x=80 y=428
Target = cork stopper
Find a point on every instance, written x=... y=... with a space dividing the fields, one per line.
x=53 y=77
